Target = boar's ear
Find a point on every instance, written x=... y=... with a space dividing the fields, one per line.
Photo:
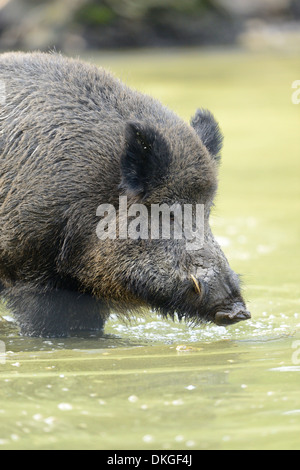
x=209 y=132
x=144 y=160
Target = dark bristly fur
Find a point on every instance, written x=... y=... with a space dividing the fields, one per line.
x=73 y=137
x=208 y=130
x=145 y=161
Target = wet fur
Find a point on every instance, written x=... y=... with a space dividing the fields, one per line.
x=72 y=136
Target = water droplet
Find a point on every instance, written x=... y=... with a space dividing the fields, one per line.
x=133 y=398
x=148 y=438
x=65 y=407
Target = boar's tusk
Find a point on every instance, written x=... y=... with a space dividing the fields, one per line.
x=196 y=283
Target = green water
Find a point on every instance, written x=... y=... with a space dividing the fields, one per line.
x=156 y=384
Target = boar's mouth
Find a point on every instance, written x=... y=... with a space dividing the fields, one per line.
x=235 y=315
x=229 y=314
x=192 y=301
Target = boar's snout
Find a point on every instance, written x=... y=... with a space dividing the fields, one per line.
x=227 y=309
x=235 y=314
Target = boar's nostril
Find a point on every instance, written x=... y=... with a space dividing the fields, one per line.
x=196 y=284
x=228 y=318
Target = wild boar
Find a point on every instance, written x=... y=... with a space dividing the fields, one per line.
x=73 y=138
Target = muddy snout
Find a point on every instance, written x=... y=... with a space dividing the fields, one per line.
x=235 y=314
